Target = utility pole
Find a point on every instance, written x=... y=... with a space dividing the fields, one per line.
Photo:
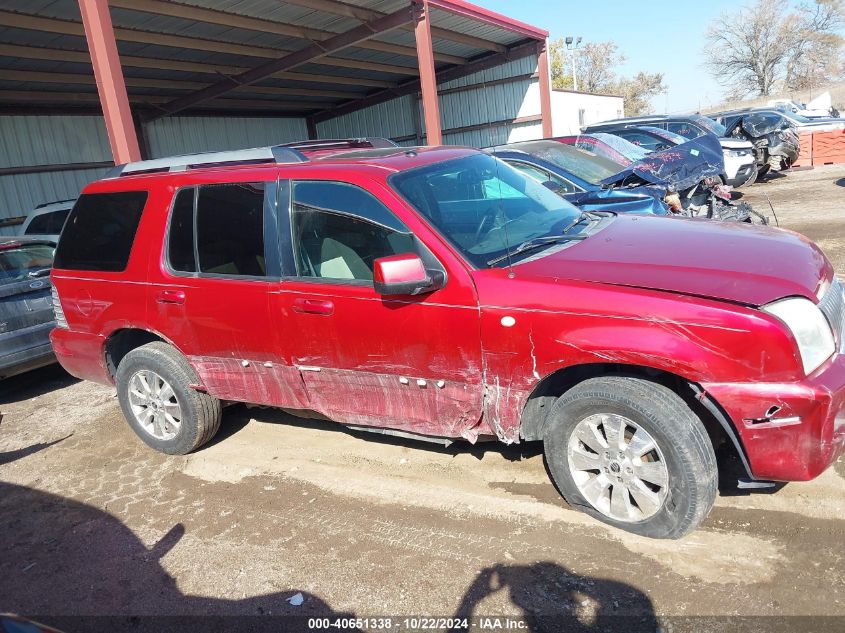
x=572 y=44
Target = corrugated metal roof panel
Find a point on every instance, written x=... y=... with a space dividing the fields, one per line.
x=496 y=135
x=515 y=68
x=50 y=140
x=391 y=119
x=484 y=104
x=181 y=135
x=21 y=193
x=475 y=28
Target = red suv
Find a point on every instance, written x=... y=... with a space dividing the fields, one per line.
x=439 y=293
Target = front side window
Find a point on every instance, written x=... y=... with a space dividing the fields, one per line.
x=99 y=233
x=687 y=130
x=482 y=205
x=573 y=160
x=640 y=139
x=711 y=125
x=541 y=176
x=339 y=230
x=218 y=230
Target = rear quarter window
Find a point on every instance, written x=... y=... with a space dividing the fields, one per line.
x=100 y=231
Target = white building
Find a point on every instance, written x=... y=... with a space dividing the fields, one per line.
x=571 y=110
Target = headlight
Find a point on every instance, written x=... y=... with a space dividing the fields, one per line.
x=736 y=153
x=809 y=327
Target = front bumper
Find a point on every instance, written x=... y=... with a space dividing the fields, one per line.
x=744 y=175
x=804 y=437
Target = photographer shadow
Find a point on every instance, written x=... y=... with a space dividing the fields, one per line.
x=552 y=599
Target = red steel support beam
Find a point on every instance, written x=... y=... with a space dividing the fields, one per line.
x=110 y=84
x=479 y=14
x=545 y=89
x=428 y=76
x=307 y=55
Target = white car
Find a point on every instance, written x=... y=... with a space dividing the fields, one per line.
x=46 y=220
x=740 y=162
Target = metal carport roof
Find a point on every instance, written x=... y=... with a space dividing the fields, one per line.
x=206 y=56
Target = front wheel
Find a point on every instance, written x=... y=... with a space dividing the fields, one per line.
x=632 y=454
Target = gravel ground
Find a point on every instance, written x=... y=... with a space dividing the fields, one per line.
x=92 y=523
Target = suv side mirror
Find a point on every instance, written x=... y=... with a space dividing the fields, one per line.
x=404 y=274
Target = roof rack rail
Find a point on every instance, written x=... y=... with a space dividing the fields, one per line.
x=47 y=204
x=279 y=154
x=374 y=142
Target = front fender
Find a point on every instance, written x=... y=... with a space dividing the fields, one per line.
x=695 y=339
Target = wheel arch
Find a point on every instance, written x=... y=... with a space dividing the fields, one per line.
x=720 y=428
x=123 y=340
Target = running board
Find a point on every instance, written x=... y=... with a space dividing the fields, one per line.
x=443 y=441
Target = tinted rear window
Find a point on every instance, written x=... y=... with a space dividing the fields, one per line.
x=48 y=223
x=24 y=262
x=100 y=231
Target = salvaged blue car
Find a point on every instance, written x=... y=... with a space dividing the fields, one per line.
x=576 y=174
x=682 y=180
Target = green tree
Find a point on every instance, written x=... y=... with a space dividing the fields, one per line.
x=595 y=64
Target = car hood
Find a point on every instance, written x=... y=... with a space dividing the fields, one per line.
x=735 y=143
x=679 y=167
x=643 y=199
x=752 y=265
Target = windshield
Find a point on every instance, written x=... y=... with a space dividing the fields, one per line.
x=627 y=149
x=761 y=123
x=579 y=162
x=23 y=262
x=794 y=116
x=710 y=125
x=482 y=205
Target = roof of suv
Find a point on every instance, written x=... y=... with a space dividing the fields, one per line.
x=389 y=159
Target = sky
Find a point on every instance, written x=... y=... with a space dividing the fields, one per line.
x=655 y=36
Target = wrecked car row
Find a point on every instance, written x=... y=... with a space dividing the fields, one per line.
x=685 y=180
x=442 y=294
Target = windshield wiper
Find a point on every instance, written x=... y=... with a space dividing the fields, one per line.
x=583 y=215
x=537 y=242
x=39 y=273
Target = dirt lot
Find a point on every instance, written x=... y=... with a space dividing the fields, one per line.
x=94 y=523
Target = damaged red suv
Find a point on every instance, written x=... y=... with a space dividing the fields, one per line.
x=439 y=293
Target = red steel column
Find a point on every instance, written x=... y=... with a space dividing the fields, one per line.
x=428 y=79
x=113 y=98
x=545 y=89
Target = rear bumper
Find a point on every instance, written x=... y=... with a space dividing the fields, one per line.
x=25 y=349
x=804 y=437
x=27 y=360
x=81 y=354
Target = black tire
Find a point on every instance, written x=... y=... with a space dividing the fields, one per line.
x=201 y=413
x=761 y=173
x=681 y=437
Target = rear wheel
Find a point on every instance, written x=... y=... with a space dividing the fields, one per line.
x=154 y=388
x=632 y=454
